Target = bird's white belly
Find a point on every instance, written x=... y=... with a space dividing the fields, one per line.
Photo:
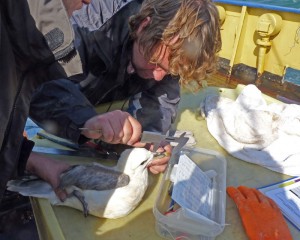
x=114 y=203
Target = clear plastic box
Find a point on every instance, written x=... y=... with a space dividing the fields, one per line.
x=183 y=223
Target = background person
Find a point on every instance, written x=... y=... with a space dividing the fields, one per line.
x=30 y=55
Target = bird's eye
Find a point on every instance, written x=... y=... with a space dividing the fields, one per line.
x=143 y=162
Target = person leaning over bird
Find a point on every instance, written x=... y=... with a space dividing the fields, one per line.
x=36 y=45
x=141 y=50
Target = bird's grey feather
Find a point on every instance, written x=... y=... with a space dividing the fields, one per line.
x=30 y=187
x=93 y=177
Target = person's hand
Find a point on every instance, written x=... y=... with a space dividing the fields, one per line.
x=160 y=163
x=114 y=127
x=260 y=215
x=49 y=170
x=72 y=5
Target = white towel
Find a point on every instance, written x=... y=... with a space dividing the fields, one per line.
x=250 y=129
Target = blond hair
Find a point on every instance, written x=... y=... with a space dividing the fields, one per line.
x=195 y=26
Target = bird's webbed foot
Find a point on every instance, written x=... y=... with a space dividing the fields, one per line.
x=80 y=197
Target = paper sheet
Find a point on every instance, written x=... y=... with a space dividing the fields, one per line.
x=192 y=187
x=288 y=200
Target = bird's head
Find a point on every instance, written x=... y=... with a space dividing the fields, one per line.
x=134 y=159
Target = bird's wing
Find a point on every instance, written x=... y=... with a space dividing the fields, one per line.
x=93 y=177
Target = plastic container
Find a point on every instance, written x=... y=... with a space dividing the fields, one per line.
x=183 y=223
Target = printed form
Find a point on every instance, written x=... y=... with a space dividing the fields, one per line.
x=288 y=200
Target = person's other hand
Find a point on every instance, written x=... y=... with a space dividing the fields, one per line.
x=49 y=170
x=72 y=5
x=160 y=163
x=261 y=217
x=114 y=127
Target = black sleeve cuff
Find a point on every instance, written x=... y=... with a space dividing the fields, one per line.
x=26 y=149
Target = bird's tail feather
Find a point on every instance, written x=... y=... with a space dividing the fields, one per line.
x=31 y=187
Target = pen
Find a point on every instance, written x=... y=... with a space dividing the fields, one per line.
x=289 y=183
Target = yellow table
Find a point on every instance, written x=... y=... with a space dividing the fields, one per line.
x=65 y=223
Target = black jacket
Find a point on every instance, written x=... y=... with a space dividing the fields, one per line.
x=28 y=58
x=102 y=39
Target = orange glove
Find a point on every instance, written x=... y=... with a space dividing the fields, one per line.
x=261 y=217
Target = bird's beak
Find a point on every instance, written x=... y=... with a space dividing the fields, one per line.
x=150 y=159
x=155 y=155
x=148 y=162
x=159 y=154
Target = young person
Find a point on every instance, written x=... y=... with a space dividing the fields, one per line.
x=141 y=50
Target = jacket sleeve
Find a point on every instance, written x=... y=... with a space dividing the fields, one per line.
x=61 y=108
x=26 y=148
x=156 y=108
x=54 y=24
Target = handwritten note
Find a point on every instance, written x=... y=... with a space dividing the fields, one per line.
x=192 y=187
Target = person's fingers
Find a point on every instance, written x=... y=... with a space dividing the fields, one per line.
x=116 y=122
x=157 y=168
x=108 y=133
x=118 y=127
x=91 y=132
x=127 y=130
x=110 y=124
x=160 y=163
x=136 y=130
x=91 y=125
x=141 y=145
x=161 y=160
x=168 y=148
x=61 y=194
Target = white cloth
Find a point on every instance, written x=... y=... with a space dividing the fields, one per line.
x=250 y=129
